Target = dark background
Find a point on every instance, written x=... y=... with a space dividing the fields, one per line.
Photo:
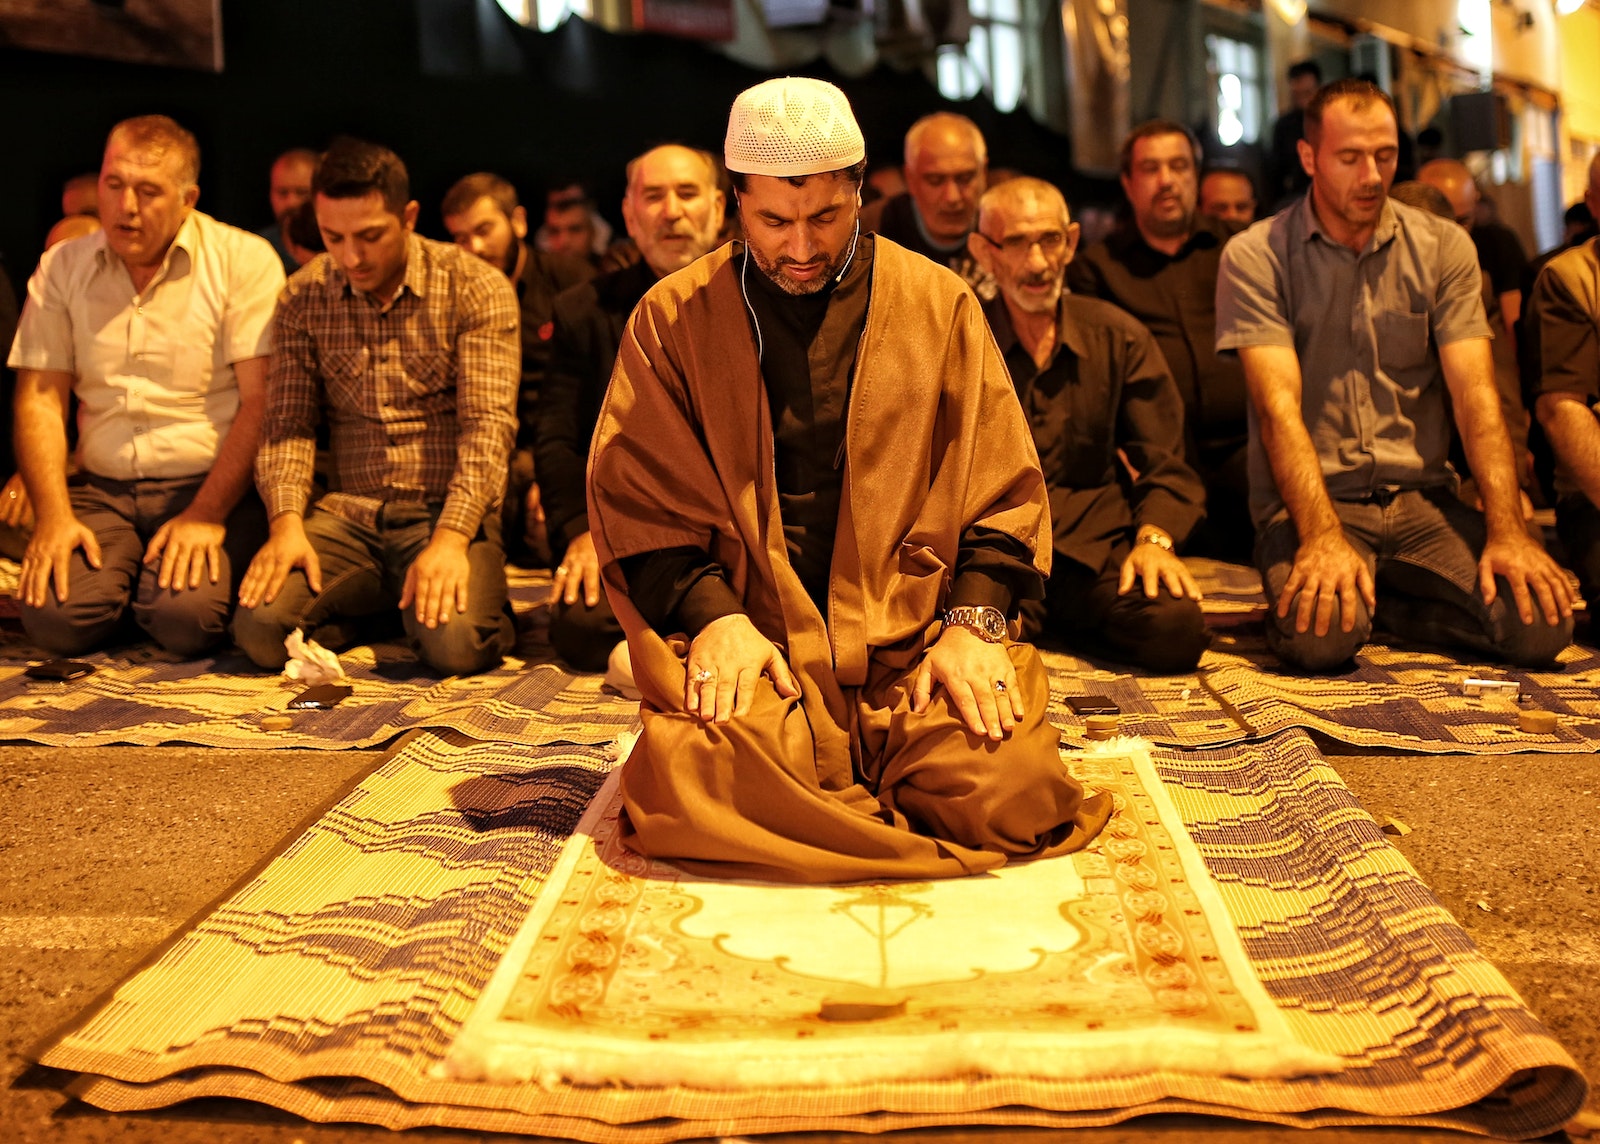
x=452 y=85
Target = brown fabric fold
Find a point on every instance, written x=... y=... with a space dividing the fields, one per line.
x=936 y=443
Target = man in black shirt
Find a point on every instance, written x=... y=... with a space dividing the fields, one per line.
x=1501 y=263
x=1095 y=390
x=1160 y=266
x=1285 y=176
x=673 y=209
x=946 y=172
x=483 y=216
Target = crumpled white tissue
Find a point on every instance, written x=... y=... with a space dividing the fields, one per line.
x=309 y=662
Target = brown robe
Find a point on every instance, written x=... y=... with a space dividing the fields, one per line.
x=844 y=783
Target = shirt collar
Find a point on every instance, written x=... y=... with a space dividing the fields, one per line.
x=1068 y=332
x=416 y=276
x=187 y=240
x=1310 y=226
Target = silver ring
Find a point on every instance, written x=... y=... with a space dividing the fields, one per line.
x=704 y=675
x=12 y=494
x=999 y=685
x=561 y=569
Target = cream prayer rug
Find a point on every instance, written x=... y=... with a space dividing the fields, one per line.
x=1405 y=698
x=460 y=942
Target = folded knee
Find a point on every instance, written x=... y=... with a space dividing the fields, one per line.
x=1536 y=644
x=65 y=631
x=185 y=623
x=459 y=647
x=1173 y=638
x=260 y=635
x=1310 y=652
x=582 y=636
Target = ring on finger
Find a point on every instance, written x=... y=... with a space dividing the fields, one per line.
x=1000 y=685
x=704 y=675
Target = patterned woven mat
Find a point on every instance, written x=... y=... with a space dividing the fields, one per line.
x=1404 y=698
x=1396 y=698
x=325 y=989
x=143 y=696
x=1226 y=589
x=1169 y=710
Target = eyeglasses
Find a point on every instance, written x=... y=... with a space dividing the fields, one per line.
x=1051 y=242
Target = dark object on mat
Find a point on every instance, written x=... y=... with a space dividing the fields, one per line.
x=1093 y=705
x=321 y=697
x=59 y=670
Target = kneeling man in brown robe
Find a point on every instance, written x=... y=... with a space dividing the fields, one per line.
x=816 y=505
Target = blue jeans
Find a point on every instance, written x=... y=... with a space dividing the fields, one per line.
x=1422 y=547
x=363 y=570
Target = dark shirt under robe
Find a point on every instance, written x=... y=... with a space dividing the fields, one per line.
x=540 y=279
x=1105 y=389
x=1174 y=296
x=809 y=345
x=585 y=329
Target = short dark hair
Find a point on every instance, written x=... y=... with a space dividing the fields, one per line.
x=855 y=175
x=1306 y=67
x=468 y=189
x=1148 y=130
x=1234 y=171
x=354 y=168
x=1360 y=93
x=1423 y=196
x=160 y=133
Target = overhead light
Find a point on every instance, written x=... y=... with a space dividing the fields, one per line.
x=1568 y=7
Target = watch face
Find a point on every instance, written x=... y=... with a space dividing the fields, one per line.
x=992 y=623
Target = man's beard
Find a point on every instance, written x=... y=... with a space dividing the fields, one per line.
x=1172 y=227
x=1040 y=305
x=774 y=271
x=513 y=253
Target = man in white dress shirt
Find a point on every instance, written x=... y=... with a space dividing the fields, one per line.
x=161 y=325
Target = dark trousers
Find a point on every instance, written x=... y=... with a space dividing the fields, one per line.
x=363 y=570
x=1422 y=547
x=1082 y=610
x=528 y=551
x=584 y=636
x=1578 y=525
x=124 y=515
x=1226 y=532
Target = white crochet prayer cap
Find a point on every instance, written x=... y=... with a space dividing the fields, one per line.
x=791 y=127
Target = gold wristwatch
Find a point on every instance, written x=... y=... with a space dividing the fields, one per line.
x=988 y=624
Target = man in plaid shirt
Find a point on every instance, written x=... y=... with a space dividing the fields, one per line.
x=408 y=348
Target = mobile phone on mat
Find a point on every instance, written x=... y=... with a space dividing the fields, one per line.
x=320 y=697
x=59 y=670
